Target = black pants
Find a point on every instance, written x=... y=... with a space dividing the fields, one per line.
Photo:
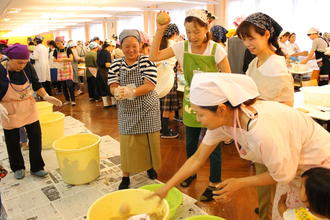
x=92 y=88
x=14 y=149
x=192 y=139
x=48 y=87
x=101 y=80
x=68 y=90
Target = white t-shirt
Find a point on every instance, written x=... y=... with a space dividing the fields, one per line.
x=282 y=139
x=272 y=78
x=178 y=50
x=292 y=48
x=284 y=47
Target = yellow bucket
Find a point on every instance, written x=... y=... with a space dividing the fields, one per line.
x=78 y=158
x=108 y=206
x=52 y=128
x=44 y=107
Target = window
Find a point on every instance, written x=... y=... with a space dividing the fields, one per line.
x=78 y=34
x=96 y=30
x=293 y=15
x=135 y=22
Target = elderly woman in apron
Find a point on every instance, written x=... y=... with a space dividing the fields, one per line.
x=285 y=140
x=18 y=79
x=198 y=53
x=132 y=81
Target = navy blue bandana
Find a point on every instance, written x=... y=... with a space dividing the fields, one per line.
x=171 y=30
x=265 y=22
x=219 y=33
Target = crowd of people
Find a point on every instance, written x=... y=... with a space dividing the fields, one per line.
x=246 y=96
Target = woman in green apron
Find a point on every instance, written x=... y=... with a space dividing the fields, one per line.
x=132 y=81
x=197 y=54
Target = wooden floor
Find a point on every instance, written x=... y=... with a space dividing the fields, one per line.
x=104 y=122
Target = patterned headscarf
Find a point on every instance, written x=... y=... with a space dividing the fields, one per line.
x=326 y=36
x=171 y=30
x=219 y=33
x=265 y=22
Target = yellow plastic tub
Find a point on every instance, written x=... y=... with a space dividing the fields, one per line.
x=204 y=217
x=52 y=128
x=44 y=107
x=78 y=158
x=108 y=206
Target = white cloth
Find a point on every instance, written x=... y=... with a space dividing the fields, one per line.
x=282 y=139
x=40 y=55
x=209 y=89
x=178 y=50
x=198 y=13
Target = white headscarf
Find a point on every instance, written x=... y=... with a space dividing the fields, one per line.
x=210 y=89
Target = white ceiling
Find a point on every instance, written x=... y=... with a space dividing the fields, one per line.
x=48 y=15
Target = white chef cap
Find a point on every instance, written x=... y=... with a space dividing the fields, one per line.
x=313 y=30
x=210 y=89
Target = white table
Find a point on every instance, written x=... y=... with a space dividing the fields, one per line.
x=321 y=113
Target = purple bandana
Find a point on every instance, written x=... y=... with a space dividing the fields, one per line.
x=17 y=51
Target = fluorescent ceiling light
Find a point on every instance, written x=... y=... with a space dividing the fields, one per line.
x=61 y=21
x=92 y=8
x=6 y=19
x=57 y=16
x=13 y=10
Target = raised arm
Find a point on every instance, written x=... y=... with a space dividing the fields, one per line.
x=155 y=53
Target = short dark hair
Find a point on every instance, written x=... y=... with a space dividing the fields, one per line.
x=244 y=30
x=200 y=23
x=317 y=186
x=214 y=108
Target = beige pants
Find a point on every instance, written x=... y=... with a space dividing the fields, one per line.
x=140 y=152
x=265 y=195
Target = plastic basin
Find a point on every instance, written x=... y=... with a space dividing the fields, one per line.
x=44 y=107
x=174 y=197
x=108 y=206
x=78 y=158
x=52 y=128
x=204 y=217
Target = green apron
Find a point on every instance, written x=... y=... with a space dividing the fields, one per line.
x=191 y=63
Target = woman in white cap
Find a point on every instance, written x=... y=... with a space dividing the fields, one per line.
x=132 y=81
x=259 y=33
x=41 y=65
x=283 y=40
x=91 y=71
x=285 y=140
x=198 y=53
x=318 y=48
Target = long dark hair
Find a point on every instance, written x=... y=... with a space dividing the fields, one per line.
x=200 y=23
x=244 y=30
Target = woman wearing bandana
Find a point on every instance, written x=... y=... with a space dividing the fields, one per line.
x=18 y=80
x=285 y=140
x=197 y=54
x=259 y=33
x=219 y=35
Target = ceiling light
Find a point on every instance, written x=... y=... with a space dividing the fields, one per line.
x=13 y=10
x=6 y=19
x=92 y=8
